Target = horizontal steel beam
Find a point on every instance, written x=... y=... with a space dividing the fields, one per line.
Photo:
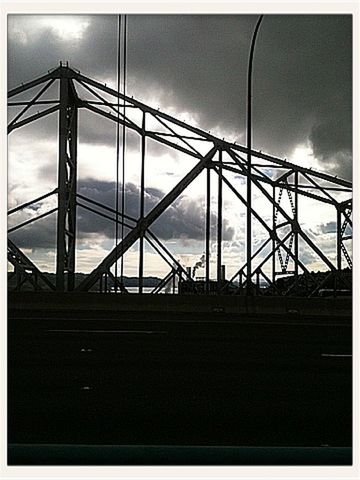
x=31 y=220
x=103 y=215
x=105 y=207
x=39 y=102
x=32 y=102
x=137 y=129
x=32 y=118
x=31 y=202
x=33 y=83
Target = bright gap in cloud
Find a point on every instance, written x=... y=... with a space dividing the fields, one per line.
x=303 y=156
x=66 y=27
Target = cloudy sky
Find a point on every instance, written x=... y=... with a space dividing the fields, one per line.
x=193 y=67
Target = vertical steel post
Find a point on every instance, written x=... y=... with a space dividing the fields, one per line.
x=62 y=185
x=72 y=190
x=219 y=223
x=249 y=146
x=338 y=237
x=67 y=186
x=296 y=232
x=207 y=229
x=273 y=239
x=142 y=206
x=338 y=245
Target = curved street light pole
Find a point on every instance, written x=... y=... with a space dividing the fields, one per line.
x=249 y=132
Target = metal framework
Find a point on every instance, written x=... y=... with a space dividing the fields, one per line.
x=281 y=183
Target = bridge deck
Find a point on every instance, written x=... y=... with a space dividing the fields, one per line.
x=86 y=378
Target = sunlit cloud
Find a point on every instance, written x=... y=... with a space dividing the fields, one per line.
x=66 y=27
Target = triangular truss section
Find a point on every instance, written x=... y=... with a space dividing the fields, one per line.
x=278 y=181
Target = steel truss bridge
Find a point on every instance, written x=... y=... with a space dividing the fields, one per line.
x=281 y=183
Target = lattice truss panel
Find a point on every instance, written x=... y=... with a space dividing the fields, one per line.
x=283 y=194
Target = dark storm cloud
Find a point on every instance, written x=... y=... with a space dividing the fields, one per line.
x=329 y=227
x=40 y=234
x=40 y=48
x=331 y=143
x=184 y=219
x=198 y=64
x=97 y=130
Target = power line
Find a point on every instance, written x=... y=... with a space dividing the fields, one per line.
x=121 y=86
x=123 y=139
x=117 y=144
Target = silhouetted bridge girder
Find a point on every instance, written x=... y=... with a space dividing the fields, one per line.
x=275 y=179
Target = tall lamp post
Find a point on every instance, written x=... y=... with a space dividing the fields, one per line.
x=249 y=132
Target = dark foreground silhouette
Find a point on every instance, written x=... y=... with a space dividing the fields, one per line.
x=149 y=389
